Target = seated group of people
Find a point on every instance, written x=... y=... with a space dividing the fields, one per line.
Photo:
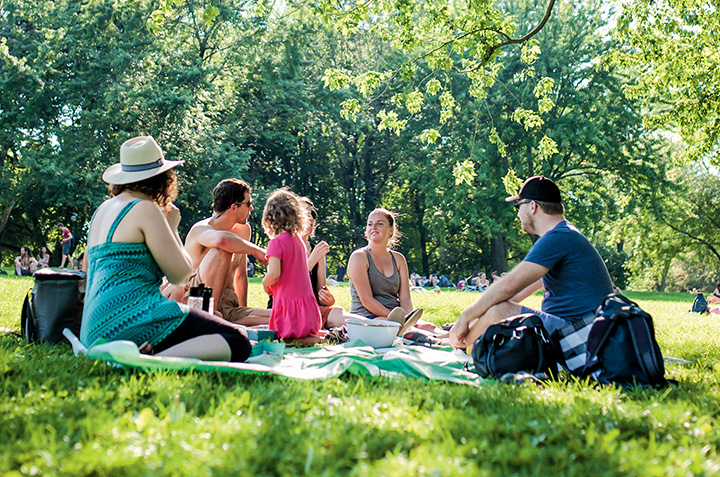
x=416 y=280
x=26 y=264
x=135 y=255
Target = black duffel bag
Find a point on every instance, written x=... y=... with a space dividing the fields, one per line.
x=518 y=344
x=54 y=303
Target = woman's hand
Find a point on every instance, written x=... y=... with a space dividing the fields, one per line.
x=325 y=297
x=320 y=250
x=172 y=215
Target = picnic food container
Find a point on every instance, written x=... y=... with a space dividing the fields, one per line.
x=376 y=333
x=260 y=333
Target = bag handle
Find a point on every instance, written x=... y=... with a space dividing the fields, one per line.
x=491 y=351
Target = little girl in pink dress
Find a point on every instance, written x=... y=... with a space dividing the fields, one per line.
x=295 y=312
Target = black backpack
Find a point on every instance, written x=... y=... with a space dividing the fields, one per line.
x=621 y=346
x=700 y=304
x=517 y=344
x=55 y=303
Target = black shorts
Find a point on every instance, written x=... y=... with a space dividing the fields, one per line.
x=199 y=323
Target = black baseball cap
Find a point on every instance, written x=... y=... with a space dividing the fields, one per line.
x=538 y=188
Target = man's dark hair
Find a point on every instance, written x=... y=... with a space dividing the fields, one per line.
x=551 y=208
x=229 y=192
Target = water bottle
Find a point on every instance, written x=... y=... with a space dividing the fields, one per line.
x=208 y=302
x=195 y=297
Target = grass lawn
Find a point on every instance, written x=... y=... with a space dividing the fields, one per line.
x=61 y=415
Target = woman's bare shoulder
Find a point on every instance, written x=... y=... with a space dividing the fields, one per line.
x=398 y=256
x=358 y=256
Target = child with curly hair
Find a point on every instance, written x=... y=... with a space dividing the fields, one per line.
x=295 y=313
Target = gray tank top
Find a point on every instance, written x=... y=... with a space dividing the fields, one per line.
x=386 y=290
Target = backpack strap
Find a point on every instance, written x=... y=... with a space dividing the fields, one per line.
x=644 y=350
x=599 y=333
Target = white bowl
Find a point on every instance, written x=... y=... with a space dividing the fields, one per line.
x=376 y=333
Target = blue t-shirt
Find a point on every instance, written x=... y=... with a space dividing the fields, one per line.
x=577 y=280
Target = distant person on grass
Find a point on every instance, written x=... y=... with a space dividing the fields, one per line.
x=43 y=258
x=132 y=242
x=66 y=242
x=25 y=264
x=562 y=261
x=218 y=247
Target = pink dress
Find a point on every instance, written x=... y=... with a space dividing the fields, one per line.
x=295 y=312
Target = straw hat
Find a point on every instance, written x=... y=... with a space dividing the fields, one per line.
x=140 y=158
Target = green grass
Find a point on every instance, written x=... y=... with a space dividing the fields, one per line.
x=61 y=415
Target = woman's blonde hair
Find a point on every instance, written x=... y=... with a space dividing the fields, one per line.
x=390 y=216
x=283 y=212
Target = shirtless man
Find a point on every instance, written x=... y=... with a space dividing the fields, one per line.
x=218 y=247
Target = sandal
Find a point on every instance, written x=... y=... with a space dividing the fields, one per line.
x=397 y=315
x=410 y=320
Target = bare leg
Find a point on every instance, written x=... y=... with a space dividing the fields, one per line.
x=256 y=317
x=495 y=314
x=240 y=279
x=336 y=317
x=205 y=347
x=175 y=293
x=215 y=271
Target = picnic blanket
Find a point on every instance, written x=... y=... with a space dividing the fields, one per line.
x=303 y=363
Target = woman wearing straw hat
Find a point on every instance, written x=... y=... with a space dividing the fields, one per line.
x=132 y=242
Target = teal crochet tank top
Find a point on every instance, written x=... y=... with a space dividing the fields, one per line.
x=122 y=294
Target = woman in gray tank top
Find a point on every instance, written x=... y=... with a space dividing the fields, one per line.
x=379 y=278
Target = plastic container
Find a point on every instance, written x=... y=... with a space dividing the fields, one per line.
x=376 y=333
x=260 y=333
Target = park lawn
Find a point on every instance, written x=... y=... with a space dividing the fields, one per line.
x=61 y=415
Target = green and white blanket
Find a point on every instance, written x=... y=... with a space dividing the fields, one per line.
x=304 y=363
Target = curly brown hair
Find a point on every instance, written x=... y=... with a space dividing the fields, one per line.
x=283 y=212
x=161 y=188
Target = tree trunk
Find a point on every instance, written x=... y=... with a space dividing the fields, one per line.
x=663 y=278
x=498 y=253
x=422 y=232
x=6 y=217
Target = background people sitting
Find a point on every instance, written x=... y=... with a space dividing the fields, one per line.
x=43 y=258
x=25 y=264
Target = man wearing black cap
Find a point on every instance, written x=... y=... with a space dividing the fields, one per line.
x=562 y=261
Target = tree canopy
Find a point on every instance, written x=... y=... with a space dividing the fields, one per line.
x=435 y=110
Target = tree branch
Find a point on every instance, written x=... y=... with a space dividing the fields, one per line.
x=697 y=239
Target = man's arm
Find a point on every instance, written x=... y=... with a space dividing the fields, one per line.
x=529 y=290
x=230 y=242
x=520 y=279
